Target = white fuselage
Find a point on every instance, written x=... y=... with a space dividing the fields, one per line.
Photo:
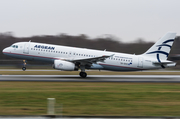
x=48 y=53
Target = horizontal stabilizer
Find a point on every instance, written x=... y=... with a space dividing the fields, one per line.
x=163 y=62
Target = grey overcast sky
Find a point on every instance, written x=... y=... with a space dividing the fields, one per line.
x=126 y=19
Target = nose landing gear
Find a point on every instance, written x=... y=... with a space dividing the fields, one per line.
x=24 y=65
x=24 y=68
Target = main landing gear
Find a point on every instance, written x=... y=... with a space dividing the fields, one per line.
x=83 y=74
x=24 y=65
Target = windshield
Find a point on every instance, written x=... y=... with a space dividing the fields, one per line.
x=14 y=46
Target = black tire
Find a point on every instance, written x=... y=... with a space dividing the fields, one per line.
x=24 y=68
x=83 y=74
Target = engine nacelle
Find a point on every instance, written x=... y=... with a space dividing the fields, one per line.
x=64 y=65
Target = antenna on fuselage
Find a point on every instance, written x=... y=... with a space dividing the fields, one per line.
x=104 y=49
x=30 y=41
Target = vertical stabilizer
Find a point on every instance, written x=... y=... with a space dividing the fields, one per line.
x=160 y=50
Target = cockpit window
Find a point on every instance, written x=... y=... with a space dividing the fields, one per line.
x=14 y=46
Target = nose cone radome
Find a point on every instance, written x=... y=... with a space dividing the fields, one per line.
x=5 y=50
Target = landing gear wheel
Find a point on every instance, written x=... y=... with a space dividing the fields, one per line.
x=24 y=68
x=83 y=74
x=24 y=65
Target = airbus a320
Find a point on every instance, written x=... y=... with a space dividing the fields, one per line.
x=72 y=59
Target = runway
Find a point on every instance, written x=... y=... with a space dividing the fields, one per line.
x=93 y=78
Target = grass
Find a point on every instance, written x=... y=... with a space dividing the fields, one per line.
x=81 y=98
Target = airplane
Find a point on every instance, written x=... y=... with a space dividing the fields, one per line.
x=72 y=59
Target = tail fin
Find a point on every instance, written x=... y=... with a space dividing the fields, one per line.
x=162 y=47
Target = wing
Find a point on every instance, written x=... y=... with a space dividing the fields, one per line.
x=91 y=60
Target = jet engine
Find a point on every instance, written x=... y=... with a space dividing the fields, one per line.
x=64 y=65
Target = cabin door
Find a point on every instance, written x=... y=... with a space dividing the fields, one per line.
x=26 y=48
x=140 y=62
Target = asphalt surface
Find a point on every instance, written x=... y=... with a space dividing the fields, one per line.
x=93 y=78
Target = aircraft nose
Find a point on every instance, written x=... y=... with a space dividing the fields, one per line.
x=5 y=50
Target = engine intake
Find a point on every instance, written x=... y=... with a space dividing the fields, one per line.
x=64 y=65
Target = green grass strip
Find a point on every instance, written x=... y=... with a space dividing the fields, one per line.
x=100 y=99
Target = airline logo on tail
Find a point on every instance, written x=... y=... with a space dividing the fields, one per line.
x=159 y=49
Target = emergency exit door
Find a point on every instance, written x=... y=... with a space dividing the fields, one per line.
x=140 y=62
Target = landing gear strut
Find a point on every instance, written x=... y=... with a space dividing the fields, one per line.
x=24 y=65
x=83 y=74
